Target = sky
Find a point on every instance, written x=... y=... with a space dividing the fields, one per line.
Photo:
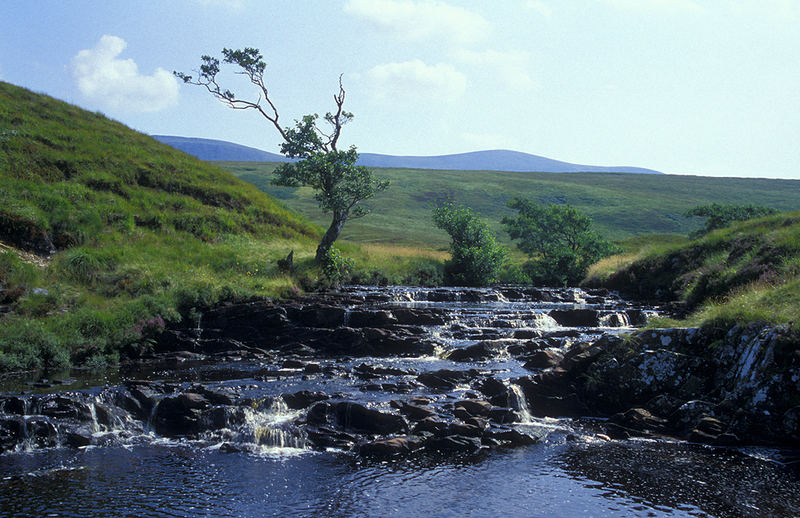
x=706 y=87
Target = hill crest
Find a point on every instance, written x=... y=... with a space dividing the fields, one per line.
x=488 y=160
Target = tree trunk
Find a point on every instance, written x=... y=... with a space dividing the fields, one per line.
x=331 y=234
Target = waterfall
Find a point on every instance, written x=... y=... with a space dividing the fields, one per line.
x=274 y=428
x=615 y=319
x=517 y=401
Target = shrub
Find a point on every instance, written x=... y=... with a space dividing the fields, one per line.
x=559 y=240
x=335 y=266
x=476 y=255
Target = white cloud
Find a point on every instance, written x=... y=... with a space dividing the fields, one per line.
x=510 y=67
x=540 y=7
x=116 y=83
x=416 y=80
x=672 y=6
x=421 y=20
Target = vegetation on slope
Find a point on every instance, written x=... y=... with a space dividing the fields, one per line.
x=129 y=233
x=748 y=272
x=620 y=205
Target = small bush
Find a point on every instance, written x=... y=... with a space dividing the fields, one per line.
x=476 y=255
x=335 y=266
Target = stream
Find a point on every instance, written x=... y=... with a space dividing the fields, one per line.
x=383 y=401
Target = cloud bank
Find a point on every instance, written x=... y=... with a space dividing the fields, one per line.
x=419 y=21
x=116 y=83
x=416 y=80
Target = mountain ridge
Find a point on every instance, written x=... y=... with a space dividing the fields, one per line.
x=487 y=160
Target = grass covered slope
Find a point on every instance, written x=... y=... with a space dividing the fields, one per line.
x=621 y=205
x=128 y=234
x=749 y=272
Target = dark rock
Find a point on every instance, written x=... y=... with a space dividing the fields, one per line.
x=503 y=415
x=512 y=437
x=227 y=447
x=575 y=317
x=444 y=379
x=179 y=415
x=321 y=316
x=477 y=352
x=474 y=407
x=420 y=317
x=454 y=444
x=464 y=429
x=430 y=425
x=77 y=439
x=491 y=387
x=387 y=448
x=354 y=416
x=416 y=412
x=318 y=413
x=371 y=319
x=543 y=360
x=61 y=407
x=303 y=399
x=12 y=405
x=639 y=419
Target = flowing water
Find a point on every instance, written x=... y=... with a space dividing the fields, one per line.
x=272 y=470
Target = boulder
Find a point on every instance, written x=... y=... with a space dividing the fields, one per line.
x=388 y=448
x=543 y=360
x=354 y=416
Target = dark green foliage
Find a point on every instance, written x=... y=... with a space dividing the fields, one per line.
x=559 y=240
x=721 y=216
x=476 y=255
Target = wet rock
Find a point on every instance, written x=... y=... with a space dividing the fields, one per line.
x=639 y=419
x=502 y=415
x=180 y=415
x=388 y=448
x=41 y=432
x=464 y=430
x=320 y=316
x=474 y=407
x=324 y=437
x=13 y=405
x=686 y=417
x=575 y=317
x=444 y=379
x=492 y=387
x=430 y=425
x=78 y=439
x=416 y=412
x=454 y=444
x=379 y=318
x=12 y=432
x=62 y=407
x=303 y=399
x=543 y=360
x=477 y=352
x=354 y=416
x=512 y=437
x=420 y=317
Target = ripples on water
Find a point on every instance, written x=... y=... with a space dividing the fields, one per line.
x=555 y=478
x=548 y=480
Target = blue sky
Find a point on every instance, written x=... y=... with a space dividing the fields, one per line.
x=708 y=87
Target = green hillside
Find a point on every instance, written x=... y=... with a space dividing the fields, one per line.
x=622 y=205
x=106 y=235
x=748 y=272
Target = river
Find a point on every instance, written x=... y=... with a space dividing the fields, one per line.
x=271 y=461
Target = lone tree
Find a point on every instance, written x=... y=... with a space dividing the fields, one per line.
x=340 y=184
x=559 y=240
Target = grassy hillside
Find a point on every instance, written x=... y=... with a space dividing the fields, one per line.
x=622 y=205
x=106 y=235
x=749 y=272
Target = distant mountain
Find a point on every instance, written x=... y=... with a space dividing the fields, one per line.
x=494 y=160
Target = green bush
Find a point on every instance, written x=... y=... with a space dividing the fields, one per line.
x=335 y=266
x=476 y=257
x=559 y=240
